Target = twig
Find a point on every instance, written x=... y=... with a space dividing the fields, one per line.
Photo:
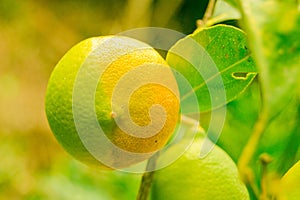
x=265 y=160
x=208 y=13
x=147 y=178
x=250 y=147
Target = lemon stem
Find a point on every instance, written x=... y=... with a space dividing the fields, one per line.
x=147 y=178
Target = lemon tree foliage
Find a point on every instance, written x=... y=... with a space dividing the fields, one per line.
x=227 y=47
x=281 y=138
x=273 y=29
x=273 y=32
x=237 y=130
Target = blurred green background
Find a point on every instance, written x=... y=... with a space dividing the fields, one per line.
x=34 y=35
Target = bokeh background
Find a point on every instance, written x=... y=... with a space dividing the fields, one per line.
x=34 y=35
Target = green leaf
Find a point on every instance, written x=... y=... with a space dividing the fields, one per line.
x=274 y=28
x=224 y=11
x=234 y=3
x=240 y=119
x=281 y=138
x=217 y=64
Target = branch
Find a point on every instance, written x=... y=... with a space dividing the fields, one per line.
x=147 y=178
x=208 y=13
x=251 y=146
x=265 y=160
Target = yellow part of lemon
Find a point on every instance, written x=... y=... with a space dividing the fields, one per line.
x=191 y=177
x=290 y=184
x=129 y=89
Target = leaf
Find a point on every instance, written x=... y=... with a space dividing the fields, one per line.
x=217 y=64
x=274 y=28
x=224 y=11
x=290 y=184
x=240 y=119
x=232 y=2
x=280 y=141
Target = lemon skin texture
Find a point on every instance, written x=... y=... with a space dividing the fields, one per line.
x=115 y=57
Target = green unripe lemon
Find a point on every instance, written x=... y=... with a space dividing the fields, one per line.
x=190 y=177
x=103 y=62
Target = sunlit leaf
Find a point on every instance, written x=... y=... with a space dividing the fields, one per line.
x=220 y=53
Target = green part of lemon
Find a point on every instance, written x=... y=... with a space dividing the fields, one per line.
x=92 y=69
x=191 y=177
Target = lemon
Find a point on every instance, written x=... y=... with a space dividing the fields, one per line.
x=290 y=184
x=190 y=177
x=115 y=72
